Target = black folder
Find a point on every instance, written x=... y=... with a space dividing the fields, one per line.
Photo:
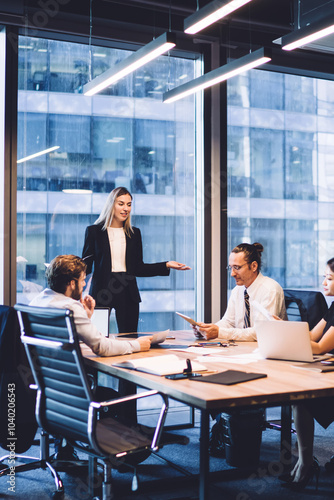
x=229 y=377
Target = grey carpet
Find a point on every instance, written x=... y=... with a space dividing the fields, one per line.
x=160 y=481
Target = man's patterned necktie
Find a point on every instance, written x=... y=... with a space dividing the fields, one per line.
x=247 y=311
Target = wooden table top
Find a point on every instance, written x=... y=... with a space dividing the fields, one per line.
x=283 y=384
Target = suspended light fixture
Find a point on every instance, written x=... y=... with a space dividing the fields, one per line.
x=210 y=14
x=139 y=58
x=40 y=153
x=218 y=75
x=308 y=34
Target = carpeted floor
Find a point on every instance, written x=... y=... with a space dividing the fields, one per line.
x=161 y=480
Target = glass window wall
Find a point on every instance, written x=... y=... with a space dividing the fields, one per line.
x=124 y=136
x=280 y=173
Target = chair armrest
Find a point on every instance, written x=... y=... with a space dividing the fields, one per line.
x=124 y=399
x=94 y=407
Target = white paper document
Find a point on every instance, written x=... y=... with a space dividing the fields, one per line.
x=159 y=337
x=225 y=359
x=238 y=359
x=160 y=365
x=198 y=350
x=266 y=314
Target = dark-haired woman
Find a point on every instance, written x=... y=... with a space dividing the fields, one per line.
x=265 y=295
x=113 y=250
x=322 y=341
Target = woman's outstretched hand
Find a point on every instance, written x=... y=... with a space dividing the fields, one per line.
x=177 y=265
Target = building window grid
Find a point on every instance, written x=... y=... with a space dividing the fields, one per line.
x=300 y=247
x=46 y=189
x=320 y=245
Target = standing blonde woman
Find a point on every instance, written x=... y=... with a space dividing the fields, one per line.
x=113 y=250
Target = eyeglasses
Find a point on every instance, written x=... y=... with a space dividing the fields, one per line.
x=235 y=268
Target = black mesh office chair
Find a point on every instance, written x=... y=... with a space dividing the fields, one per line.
x=15 y=378
x=65 y=403
x=305 y=305
x=17 y=403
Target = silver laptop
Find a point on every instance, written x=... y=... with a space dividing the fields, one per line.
x=285 y=340
x=100 y=319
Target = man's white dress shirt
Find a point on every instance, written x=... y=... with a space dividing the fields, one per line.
x=86 y=330
x=264 y=291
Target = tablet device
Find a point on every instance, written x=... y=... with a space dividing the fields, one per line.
x=157 y=337
x=187 y=318
x=197 y=333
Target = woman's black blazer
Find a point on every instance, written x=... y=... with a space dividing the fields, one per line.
x=97 y=255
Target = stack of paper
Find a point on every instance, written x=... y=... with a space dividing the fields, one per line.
x=160 y=365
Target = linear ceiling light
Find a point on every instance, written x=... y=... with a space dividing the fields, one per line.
x=139 y=58
x=40 y=153
x=309 y=34
x=218 y=75
x=210 y=14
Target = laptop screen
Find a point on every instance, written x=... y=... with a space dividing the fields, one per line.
x=100 y=319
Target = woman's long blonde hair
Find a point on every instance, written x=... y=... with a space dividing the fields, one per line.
x=107 y=214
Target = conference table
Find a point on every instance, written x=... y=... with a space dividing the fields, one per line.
x=284 y=385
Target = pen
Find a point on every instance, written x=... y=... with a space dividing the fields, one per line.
x=196 y=374
x=206 y=344
x=209 y=344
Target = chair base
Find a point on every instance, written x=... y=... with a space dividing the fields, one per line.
x=33 y=463
x=36 y=463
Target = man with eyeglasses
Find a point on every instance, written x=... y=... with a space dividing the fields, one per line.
x=254 y=298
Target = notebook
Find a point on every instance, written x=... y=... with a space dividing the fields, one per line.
x=285 y=340
x=318 y=366
x=100 y=319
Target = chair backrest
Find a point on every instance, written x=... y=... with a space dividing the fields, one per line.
x=17 y=400
x=54 y=354
x=305 y=305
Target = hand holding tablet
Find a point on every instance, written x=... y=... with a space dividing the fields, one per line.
x=194 y=324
